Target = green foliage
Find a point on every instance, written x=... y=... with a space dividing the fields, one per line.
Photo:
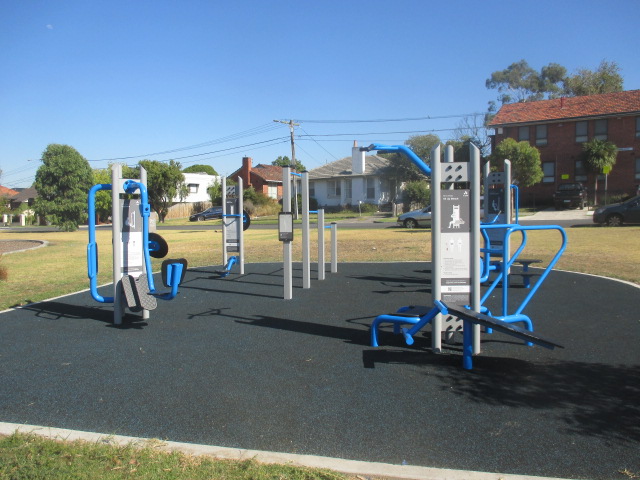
x=596 y=155
x=165 y=182
x=215 y=193
x=521 y=83
x=418 y=192
x=208 y=169
x=605 y=79
x=286 y=162
x=63 y=182
x=103 y=197
x=526 y=169
x=422 y=145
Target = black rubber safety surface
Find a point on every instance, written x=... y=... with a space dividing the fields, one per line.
x=230 y=363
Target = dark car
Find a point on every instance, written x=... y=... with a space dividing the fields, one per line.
x=619 y=213
x=570 y=195
x=208 y=214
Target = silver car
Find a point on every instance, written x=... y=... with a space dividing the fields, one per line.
x=416 y=218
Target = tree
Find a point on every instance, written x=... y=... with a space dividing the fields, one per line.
x=422 y=145
x=521 y=83
x=165 y=182
x=286 y=162
x=605 y=79
x=103 y=197
x=208 y=169
x=526 y=169
x=597 y=156
x=215 y=193
x=63 y=182
x=473 y=129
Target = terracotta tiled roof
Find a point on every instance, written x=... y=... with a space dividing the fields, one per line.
x=271 y=173
x=7 y=192
x=606 y=104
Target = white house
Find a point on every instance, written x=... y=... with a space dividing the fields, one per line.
x=359 y=178
x=197 y=185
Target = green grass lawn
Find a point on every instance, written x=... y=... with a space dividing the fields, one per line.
x=29 y=457
x=61 y=267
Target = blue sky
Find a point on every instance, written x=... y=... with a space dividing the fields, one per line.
x=129 y=79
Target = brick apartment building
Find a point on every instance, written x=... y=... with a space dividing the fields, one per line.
x=265 y=179
x=558 y=128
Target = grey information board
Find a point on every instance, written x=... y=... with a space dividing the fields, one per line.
x=455 y=238
x=233 y=225
x=132 y=251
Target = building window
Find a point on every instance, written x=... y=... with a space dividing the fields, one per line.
x=541 y=135
x=371 y=188
x=549 y=170
x=523 y=134
x=580 y=172
x=600 y=129
x=334 y=188
x=582 y=132
x=193 y=188
x=312 y=189
x=637 y=127
x=637 y=168
x=272 y=190
x=347 y=189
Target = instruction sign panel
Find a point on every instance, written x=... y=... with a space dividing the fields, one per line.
x=455 y=238
x=132 y=250
x=232 y=224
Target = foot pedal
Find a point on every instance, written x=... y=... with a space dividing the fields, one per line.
x=136 y=291
x=145 y=299
x=130 y=289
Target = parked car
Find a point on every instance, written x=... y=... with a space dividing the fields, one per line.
x=570 y=195
x=209 y=214
x=416 y=218
x=618 y=213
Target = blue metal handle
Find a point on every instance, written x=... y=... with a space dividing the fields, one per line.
x=130 y=186
x=92 y=247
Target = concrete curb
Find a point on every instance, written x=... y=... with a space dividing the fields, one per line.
x=352 y=467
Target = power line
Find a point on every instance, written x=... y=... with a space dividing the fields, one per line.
x=384 y=120
x=236 y=136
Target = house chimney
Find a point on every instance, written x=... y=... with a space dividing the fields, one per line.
x=561 y=102
x=357 y=159
x=245 y=172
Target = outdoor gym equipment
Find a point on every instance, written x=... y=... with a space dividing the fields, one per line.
x=133 y=247
x=234 y=223
x=456 y=267
x=285 y=234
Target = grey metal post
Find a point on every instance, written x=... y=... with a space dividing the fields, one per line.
x=240 y=194
x=321 y=266
x=306 y=255
x=436 y=174
x=334 y=247
x=286 y=246
x=474 y=179
x=116 y=238
x=224 y=220
x=508 y=211
x=143 y=180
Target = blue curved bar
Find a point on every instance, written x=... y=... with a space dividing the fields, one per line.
x=92 y=247
x=417 y=161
